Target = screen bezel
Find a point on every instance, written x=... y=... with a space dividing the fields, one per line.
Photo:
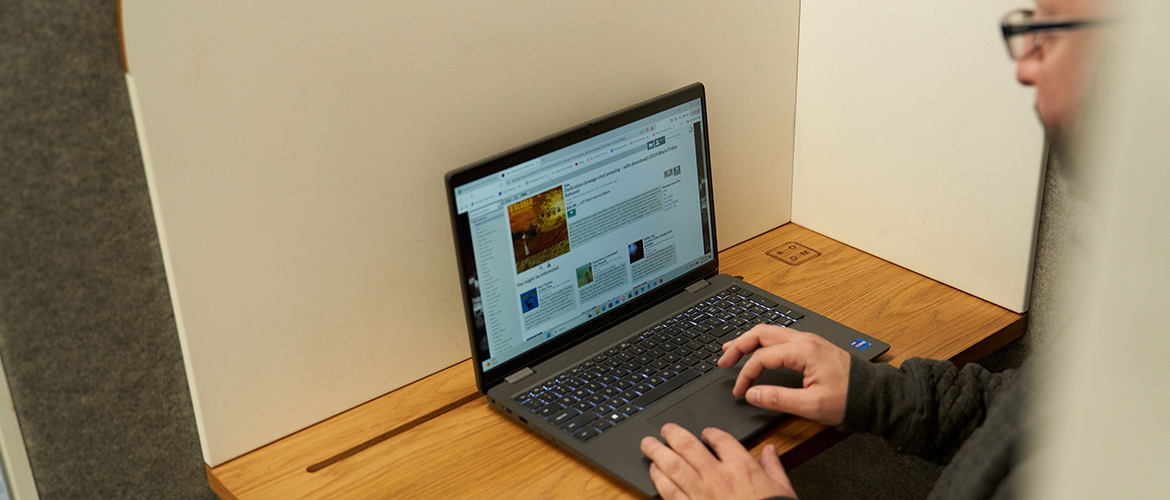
x=490 y=166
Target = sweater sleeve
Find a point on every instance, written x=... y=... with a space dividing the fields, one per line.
x=926 y=408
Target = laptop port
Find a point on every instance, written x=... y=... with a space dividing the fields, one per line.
x=525 y=422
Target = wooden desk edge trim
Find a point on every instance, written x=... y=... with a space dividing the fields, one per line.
x=217 y=486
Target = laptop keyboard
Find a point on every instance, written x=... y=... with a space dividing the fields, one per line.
x=596 y=395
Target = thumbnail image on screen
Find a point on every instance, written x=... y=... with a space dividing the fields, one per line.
x=539 y=233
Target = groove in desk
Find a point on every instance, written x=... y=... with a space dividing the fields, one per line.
x=391 y=433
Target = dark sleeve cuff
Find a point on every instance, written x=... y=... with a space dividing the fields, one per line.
x=863 y=396
x=881 y=400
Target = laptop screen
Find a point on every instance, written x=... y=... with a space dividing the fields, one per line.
x=568 y=237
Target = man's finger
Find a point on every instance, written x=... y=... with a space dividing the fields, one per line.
x=725 y=445
x=665 y=486
x=690 y=448
x=783 y=399
x=670 y=462
x=759 y=336
x=773 y=357
x=770 y=462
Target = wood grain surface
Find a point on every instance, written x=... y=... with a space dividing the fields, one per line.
x=474 y=451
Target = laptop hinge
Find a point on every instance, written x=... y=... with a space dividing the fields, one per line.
x=518 y=376
x=698 y=285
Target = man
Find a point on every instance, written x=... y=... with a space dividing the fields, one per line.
x=970 y=419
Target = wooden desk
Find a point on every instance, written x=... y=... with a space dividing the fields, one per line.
x=438 y=438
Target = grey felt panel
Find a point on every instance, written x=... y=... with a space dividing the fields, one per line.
x=87 y=332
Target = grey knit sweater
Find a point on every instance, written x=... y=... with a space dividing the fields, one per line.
x=971 y=420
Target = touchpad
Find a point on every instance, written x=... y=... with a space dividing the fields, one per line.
x=714 y=406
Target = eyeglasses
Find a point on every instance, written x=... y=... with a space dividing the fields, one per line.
x=1024 y=36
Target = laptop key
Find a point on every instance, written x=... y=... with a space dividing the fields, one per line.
x=683 y=351
x=629 y=409
x=548 y=410
x=642 y=388
x=583 y=406
x=670 y=386
x=563 y=416
x=534 y=404
x=580 y=421
x=704 y=367
x=585 y=433
x=602 y=424
x=615 y=417
x=657 y=364
x=766 y=302
x=566 y=400
x=656 y=380
x=623 y=384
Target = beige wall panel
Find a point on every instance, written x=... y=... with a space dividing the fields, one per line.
x=297 y=150
x=915 y=143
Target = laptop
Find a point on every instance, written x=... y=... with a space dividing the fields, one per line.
x=591 y=286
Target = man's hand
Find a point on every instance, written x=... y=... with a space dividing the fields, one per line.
x=825 y=368
x=687 y=470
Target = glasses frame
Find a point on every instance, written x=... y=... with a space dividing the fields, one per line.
x=1013 y=29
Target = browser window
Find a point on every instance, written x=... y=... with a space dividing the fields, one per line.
x=579 y=232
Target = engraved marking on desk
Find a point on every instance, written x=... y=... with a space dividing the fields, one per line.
x=391 y=433
x=793 y=253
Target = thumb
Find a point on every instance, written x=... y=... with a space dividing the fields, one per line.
x=782 y=399
x=770 y=462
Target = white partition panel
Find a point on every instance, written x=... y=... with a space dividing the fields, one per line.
x=915 y=143
x=297 y=151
